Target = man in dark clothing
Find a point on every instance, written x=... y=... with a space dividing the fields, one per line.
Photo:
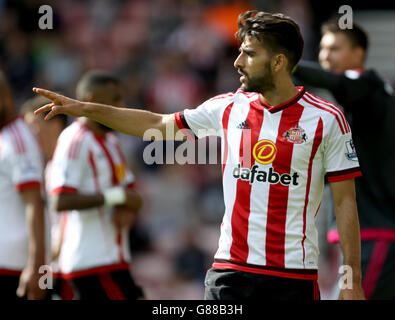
x=369 y=105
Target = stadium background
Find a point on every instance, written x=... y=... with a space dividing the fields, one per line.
x=170 y=54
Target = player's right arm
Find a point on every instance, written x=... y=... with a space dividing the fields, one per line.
x=79 y=201
x=130 y=121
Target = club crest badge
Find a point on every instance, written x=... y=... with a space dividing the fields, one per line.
x=295 y=135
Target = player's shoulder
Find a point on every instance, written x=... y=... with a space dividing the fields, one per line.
x=330 y=113
x=74 y=132
x=73 y=138
x=232 y=95
x=20 y=137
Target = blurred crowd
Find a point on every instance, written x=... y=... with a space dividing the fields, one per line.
x=170 y=55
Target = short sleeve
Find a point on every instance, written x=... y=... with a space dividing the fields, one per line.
x=68 y=165
x=206 y=119
x=341 y=160
x=26 y=162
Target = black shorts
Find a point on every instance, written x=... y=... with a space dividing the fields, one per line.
x=224 y=284
x=378 y=269
x=9 y=284
x=115 y=285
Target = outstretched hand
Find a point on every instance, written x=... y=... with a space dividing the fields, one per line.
x=60 y=104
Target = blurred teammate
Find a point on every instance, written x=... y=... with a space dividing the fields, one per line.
x=278 y=142
x=92 y=186
x=47 y=133
x=369 y=105
x=22 y=240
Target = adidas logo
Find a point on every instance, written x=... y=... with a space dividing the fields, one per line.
x=243 y=125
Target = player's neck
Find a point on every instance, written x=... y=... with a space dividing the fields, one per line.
x=93 y=126
x=282 y=92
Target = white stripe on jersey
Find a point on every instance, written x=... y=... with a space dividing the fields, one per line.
x=233 y=135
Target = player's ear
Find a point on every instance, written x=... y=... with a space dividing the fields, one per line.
x=359 y=55
x=278 y=62
x=90 y=97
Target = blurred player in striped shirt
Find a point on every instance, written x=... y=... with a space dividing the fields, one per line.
x=22 y=238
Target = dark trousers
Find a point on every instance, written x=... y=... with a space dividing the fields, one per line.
x=221 y=284
x=378 y=269
x=115 y=285
x=8 y=285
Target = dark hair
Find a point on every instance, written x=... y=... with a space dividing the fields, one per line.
x=92 y=81
x=278 y=32
x=40 y=101
x=356 y=35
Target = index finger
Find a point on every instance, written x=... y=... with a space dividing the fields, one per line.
x=46 y=93
x=45 y=108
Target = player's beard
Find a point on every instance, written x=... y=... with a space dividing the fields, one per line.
x=261 y=83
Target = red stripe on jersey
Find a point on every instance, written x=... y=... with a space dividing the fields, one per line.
x=178 y=121
x=332 y=106
x=96 y=270
x=319 y=106
x=183 y=126
x=345 y=177
x=291 y=102
x=222 y=96
x=278 y=193
x=344 y=174
x=94 y=171
x=131 y=185
x=8 y=272
x=19 y=135
x=109 y=158
x=75 y=144
x=316 y=144
x=225 y=122
x=16 y=138
x=27 y=185
x=63 y=189
x=120 y=153
x=241 y=207
x=305 y=274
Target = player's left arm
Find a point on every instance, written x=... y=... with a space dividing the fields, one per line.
x=349 y=232
x=29 y=279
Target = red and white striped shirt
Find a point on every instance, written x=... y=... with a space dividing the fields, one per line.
x=21 y=167
x=274 y=163
x=86 y=163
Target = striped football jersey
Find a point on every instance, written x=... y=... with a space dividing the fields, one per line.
x=274 y=162
x=21 y=168
x=86 y=163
